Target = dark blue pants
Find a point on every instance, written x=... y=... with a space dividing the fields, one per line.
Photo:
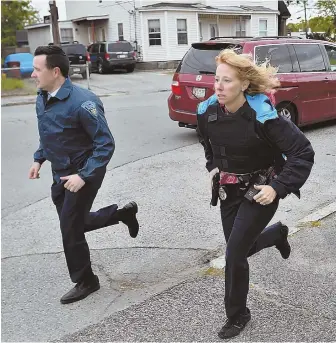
x=75 y=219
x=245 y=234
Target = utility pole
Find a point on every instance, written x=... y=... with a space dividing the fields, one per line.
x=54 y=22
x=299 y=2
x=305 y=13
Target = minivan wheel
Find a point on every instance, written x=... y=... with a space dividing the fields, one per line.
x=288 y=112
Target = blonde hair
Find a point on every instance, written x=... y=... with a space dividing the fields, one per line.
x=261 y=77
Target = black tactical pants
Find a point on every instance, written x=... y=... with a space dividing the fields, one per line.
x=245 y=234
x=75 y=219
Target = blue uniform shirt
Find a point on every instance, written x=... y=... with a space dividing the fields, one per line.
x=74 y=134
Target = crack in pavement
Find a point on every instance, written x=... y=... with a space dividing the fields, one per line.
x=108 y=277
x=208 y=251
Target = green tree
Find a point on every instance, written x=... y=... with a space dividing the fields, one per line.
x=316 y=24
x=321 y=24
x=15 y=15
x=295 y=27
x=327 y=7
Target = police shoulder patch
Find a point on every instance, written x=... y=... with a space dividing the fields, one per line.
x=90 y=106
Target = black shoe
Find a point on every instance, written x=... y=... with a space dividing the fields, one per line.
x=283 y=245
x=233 y=327
x=81 y=291
x=128 y=216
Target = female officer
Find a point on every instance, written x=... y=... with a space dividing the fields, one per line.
x=246 y=143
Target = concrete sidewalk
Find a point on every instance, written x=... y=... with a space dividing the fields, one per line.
x=292 y=300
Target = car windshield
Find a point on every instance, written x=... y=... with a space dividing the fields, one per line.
x=76 y=49
x=117 y=47
x=200 y=59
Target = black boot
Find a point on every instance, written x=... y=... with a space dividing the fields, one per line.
x=127 y=215
x=234 y=326
x=81 y=290
x=283 y=244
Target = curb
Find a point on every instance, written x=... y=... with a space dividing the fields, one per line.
x=28 y=102
x=219 y=262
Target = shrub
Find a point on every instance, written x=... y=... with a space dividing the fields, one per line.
x=9 y=84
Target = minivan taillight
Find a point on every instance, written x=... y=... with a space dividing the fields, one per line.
x=176 y=88
x=88 y=58
x=134 y=55
x=107 y=56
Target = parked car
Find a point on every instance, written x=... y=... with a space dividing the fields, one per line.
x=78 y=56
x=23 y=61
x=107 y=56
x=307 y=71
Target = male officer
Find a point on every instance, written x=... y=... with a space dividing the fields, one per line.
x=75 y=138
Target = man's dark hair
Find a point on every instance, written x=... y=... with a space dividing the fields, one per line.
x=55 y=57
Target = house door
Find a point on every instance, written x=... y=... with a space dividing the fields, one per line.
x=200 y=31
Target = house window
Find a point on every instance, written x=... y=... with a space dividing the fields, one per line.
x=66 y=35
x=241 y=28
x=121 y=31
x=262 y=27
x=213 y=30
x=154 y=32
x=182 y=32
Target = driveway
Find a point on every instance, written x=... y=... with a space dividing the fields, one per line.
x=138 y=82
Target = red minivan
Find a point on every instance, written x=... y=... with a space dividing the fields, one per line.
x=307 y=72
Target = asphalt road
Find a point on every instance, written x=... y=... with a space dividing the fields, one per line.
x=139 y=122
x=158 y=165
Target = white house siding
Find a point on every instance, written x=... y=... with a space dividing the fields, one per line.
x=77 y=9
x=272 y=4
x=227 y=27
x=81 y=33
x=140 y=3
x=65 y=24
x=39 y=36
x=121 y=15
x=117 y=12
x=174 y=50
x=272 y=24
x=154 y=52
x=169 y=50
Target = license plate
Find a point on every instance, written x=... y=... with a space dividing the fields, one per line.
x=122 y=56
x=76 y=70
x=199 y=92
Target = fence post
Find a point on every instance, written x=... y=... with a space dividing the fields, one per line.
x=88 y=75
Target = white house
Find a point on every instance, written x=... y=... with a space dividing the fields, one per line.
x=41 y=34
x=163 y=31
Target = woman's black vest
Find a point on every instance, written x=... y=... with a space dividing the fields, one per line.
x=235 y=145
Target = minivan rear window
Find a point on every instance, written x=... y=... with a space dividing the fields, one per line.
x=200 y=58
x=76 y=49
x=117 y=47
